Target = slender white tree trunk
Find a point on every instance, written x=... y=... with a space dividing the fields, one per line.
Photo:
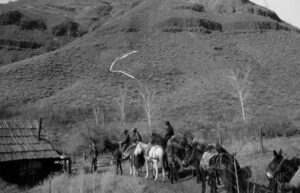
x=243 y=108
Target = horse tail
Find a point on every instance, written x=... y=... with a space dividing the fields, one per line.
x=139 y=160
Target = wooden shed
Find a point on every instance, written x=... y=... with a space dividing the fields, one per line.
x=26 y=156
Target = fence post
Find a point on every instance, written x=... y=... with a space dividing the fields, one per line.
x=40 y=128
x=261 y=139
x=236 y=174
x=50 y=184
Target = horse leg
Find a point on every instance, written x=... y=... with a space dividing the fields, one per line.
x=153 y=170
x=117 y=169
x=133 y=167
x=196 y=165
x=163 y=172
x=213 y=186
x=130 y=168
x=147 y=169
x=171 y=174
x=156 y=169
x=121 y=169
x=203 y=180
x=176 y=175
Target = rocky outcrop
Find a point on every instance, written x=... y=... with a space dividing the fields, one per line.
x=15 y=17
x=253 y=26
x=10 y=17
x=68 y=28
x=177 y=24
x=260 y=11
x=31 y=24
x=193 y=7
x=16 y=44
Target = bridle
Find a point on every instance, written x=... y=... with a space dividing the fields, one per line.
x=276 y=177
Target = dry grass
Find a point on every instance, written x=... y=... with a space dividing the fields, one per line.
x=249 y=153
x=106 y=182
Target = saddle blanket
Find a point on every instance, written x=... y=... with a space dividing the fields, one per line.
x=206 y=157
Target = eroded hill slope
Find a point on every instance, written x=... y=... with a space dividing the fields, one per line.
x=185 y=49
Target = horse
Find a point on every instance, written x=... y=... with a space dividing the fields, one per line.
x=175 y=155
x=114 y=148
x=136 y=162
x=281 y=170
x=156 y=139
x=215 y=163
x=154 y=154
x=193 y=157
x=181 y=142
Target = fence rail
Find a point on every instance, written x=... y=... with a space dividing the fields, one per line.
x=103 y=160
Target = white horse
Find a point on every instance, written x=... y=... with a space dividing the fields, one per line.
x=154 y=154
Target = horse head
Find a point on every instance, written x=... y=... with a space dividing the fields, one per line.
x=275 y=165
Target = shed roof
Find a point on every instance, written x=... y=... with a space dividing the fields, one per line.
x=19 y=141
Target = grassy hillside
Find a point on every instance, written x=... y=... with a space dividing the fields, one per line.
x=185 y=50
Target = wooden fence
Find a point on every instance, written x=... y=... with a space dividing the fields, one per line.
x=103 y=160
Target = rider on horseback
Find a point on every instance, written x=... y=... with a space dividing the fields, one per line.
x=136 y=136
x=125 y=142
x=170 y=131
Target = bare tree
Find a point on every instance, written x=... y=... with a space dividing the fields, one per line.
x=99 y=115
x=121 y=100
x=147 y=96
x=240 y=82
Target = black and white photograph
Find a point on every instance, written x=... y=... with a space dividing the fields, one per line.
x=149 y=96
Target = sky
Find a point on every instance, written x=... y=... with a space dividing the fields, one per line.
x=287 y=10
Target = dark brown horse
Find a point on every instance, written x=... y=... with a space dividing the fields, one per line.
x=221 y=165
x=175 y=154
x=174 y=148
x=193 y=157
x=156 y=139
x=114 y=148
x=281 y=170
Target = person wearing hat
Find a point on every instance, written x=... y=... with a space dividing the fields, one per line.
x=136 y=136
x=170 y=131
x=94 y=153
x=125 y=142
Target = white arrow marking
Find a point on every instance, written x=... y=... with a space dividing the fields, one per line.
x=117 y=59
